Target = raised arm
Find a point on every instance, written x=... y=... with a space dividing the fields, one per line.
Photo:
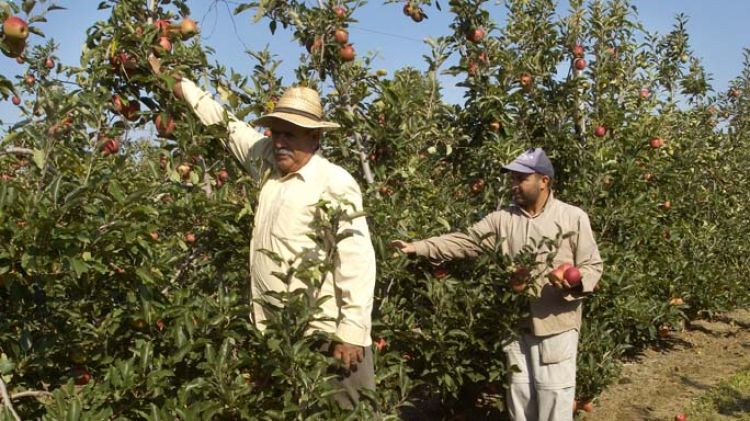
x=251 y=148
x=457 y=245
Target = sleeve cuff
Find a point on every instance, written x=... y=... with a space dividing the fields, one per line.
x=352 y=334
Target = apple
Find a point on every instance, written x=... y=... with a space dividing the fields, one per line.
x=20 y=59
x=440 y=272
x=347 y=52
x=138 y=323
x=15 y=29
x=656 y=143
x=483 y=57
x=81 y=375
x=190 y=238
x=154 y=235
x=16 y=100
x=408 y=9
x=117 y=104
x=184 y=170
x=223 y=175
x=380 y=344
x=648 y=177
x=314 y=46
x=339 y=11
x=579 y=64
x=577 y=50
x=164 y=46
x=734 y=92
x=475 y=35
x=526 y=80
x=477 y=186
x=573 y=276
x=557 y=274
x=381 y=72
x=417 y=15
x=341 y=36
x=29 y=79
x=519 y=279
x=110 y=146
x=131 y=111
x=587 y=406
x=188 y=28
x=667 y=205
x=163 y=26
x=385 y=190
x=600 y=131
x=495 y=126
x=680 y=417
x=15 y=49
x=472 y=68
x=644 y=93
x=164 y=126
x=124 y=62
x=664 y=331
x=160 y=325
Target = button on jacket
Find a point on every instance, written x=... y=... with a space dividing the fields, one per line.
x=553 y=310
x=283 y=218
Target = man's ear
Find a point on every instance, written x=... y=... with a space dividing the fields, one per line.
x=545 y=181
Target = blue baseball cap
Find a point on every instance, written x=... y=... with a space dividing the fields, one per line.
x=530 y=161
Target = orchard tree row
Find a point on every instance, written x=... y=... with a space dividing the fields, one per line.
x=125 y=226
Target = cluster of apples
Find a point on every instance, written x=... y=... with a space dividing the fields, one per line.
x=346 y=50
x=565 y=272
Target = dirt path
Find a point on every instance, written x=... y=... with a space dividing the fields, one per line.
x=661 y=383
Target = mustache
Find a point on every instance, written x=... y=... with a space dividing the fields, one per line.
x=282 y=151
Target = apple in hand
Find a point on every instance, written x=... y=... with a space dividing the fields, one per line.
x=573 y=276
x=558 y=274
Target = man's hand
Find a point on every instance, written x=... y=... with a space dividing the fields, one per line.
x=565 y=285
x=349 y=355
x=404 y=247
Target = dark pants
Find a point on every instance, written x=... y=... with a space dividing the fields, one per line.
x=354 y=380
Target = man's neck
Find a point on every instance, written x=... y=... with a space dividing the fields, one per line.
x=536 y=208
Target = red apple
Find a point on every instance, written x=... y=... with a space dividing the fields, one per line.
x=346 y=53
x=29 y=79
x=341 y=36
x=160 y=325
x=440 y=272
x=600 y=131
x=184 y=170
x=188 y=28
x=475 y=35
x=164 y=126
x=579 y=64
x=680 y=417
x=223 y=175
x=16 y=100
x=15 y=29
x=110 y=146
x=339 y=11
x=526 y=80
x=472 y=68
x=190 y=238
x=644 y=93
x=495 y=126
x=573 y=276
x=381 y=344
x=664 y=331
x=164 y=46
x=163 y=26
x=49 y=63
x=154 y=235
x=477 y=186
x=558 y=274
x=667 y=205
x=314 y=46
x=81 y=375
x=676 y=301
x=577 y=50
x=20 y=59
x=417 y=15
x=656 y=143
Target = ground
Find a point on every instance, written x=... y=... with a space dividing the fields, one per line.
x=703 y=372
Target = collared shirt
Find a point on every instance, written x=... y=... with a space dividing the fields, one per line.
x=553 y=310
x=283 y=218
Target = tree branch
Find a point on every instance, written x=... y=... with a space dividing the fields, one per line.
x=6 y=400
x=13 y=150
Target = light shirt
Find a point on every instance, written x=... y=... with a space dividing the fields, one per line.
x=283 y=218
x=553 y=310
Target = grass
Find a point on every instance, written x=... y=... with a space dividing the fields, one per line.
x=729 y=400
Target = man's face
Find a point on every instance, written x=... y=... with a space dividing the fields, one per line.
x=293 y=146
x=526 y=188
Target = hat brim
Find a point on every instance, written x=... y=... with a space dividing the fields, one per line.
x=516 y=167
x=297 y=120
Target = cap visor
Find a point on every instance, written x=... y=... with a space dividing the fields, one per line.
x=516 y=167
x=297 y=120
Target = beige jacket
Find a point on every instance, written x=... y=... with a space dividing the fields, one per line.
x=553 y=310
x=283 y=218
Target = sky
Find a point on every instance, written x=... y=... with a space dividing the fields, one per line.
x=717 y=28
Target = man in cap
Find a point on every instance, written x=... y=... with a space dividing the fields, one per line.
x=543 y=388
x=294 y=179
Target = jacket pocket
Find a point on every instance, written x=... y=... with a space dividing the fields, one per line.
x=559 y=348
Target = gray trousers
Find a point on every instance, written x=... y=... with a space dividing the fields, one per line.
x=354 y=380
x=543 y=388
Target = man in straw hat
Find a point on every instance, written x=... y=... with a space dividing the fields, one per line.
x=296 y=178
x=543 y=387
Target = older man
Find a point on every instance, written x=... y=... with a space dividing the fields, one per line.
x=294 y=179
x=545 y=353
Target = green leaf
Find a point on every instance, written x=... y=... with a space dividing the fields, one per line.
x=38 y=158
x=78 y=266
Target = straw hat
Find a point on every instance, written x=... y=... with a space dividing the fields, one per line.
x=301 y=107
